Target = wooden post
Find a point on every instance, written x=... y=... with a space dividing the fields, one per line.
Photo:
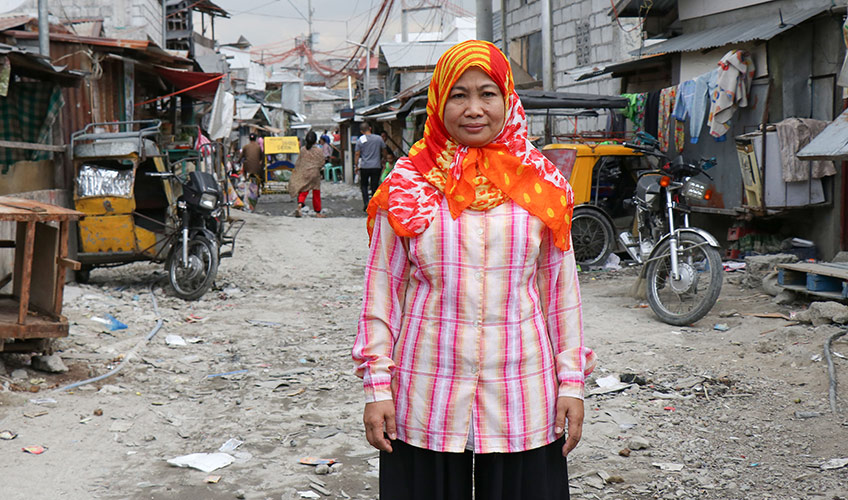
x=26 y=271
x=60 y=268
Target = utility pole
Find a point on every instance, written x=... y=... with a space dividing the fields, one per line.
x=367 y=70
x=43 y=29
x=504 y=41
x=404 y=22
x=484 y=20
x=309 y=20
x=547 y=47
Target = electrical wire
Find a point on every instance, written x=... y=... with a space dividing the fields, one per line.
x=646 y=5
x=127 y=357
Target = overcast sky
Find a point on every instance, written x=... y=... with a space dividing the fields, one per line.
x=272 y=25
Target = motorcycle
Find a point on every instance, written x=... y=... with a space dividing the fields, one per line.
x=681 y=263
x=192 y=262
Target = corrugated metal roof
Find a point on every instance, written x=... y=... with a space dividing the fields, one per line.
x=763 y=28
x=414 y=54
x=830 y=144
x=14 y=21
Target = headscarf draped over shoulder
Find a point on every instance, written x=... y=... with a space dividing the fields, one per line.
x=477 y=178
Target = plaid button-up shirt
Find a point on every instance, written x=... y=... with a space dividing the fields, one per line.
x=475 y=322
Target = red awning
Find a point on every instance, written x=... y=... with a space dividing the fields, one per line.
x=205 y=84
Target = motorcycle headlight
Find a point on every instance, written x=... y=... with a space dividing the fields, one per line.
x=208 y=201
x=694 y=189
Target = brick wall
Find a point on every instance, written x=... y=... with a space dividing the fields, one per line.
x=127 y=19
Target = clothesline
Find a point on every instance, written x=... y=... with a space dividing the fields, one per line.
x=715 y=95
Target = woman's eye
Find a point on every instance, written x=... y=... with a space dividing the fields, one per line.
x=489 y=94
x=457 y=96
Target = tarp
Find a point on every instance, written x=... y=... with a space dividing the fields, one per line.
x=185 y=79
x=221 y=117
x=830 y=144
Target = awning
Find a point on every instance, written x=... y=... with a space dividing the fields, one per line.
x=205 y=84
x=540 y=99
x=830 y=144
x=640 y=64
x=761 y=28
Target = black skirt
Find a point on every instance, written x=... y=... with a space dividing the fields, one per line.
x=411 y=473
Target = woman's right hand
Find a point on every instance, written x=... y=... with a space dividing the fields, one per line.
x=379 y=419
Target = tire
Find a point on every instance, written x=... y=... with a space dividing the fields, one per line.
x=592 y=236
x=690 y=298
x=192 y=282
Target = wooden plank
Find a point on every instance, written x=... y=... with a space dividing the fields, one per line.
x=62 y=268
x=803 y=289
x=33 y=146
x=19 y=209
x=826 y=270
x=45 y=268
x=26 y=271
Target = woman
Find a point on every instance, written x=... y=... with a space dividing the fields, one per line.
x=307 y=175
x=470 y=339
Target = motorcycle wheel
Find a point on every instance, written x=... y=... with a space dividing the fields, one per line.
x=592 y=236
x=686 y=300
x=191 y=282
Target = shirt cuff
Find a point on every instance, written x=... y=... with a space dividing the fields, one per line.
x=378 y=392
x=571 y=389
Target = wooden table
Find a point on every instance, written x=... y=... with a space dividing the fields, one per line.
x=33 y=312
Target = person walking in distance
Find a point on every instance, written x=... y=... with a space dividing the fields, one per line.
x=368 y=158
x=253 y=169
x=470 y=340
x=307 y=176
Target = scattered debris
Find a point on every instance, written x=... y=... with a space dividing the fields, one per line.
x=317 y=461
x=668 y=466
x=49 y=364
x=212 y=479
x=722 y=327
x=7 y=435
x=35 y=450
x=110 y=321
x=206 y=462
x=174 y=340
x=834 y=463
x=234 y=372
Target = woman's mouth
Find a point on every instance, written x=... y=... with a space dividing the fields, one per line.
x=474 y=128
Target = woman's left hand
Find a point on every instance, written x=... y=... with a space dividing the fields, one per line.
x=570 y=409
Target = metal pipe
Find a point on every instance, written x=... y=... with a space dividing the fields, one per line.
x=504 y=42
x=43 y=29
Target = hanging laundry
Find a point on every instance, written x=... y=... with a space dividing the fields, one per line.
x=793 y=134
x=735 y=72
x=842 y=79
x=700 y=104
x=685 y=93
x=652 y=113
x=667 y=97
x=635 y=110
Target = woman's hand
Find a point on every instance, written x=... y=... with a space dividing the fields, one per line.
x=379 y=417
x=570 y=409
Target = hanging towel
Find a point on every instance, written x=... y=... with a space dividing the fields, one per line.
x=652 y=113
x=735 y=72
x=667 y=97
x=683 y=103
x=793 y=134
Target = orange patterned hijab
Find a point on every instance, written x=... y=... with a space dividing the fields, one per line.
x=439 y=168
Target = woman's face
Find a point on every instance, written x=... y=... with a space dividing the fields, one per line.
x=474 y=112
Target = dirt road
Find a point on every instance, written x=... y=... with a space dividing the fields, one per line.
x=733 y=414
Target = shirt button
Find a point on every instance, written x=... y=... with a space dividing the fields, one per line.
x=476 y=324
x=478 y=275
x=480 y=231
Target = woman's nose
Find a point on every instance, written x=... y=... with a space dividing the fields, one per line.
x=475 y=107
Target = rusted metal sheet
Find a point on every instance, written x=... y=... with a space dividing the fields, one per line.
x=107 y=233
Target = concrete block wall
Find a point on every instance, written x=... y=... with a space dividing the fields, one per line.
x=127 y=19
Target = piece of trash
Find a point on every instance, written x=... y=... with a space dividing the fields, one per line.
x=235 y=372
x=194 y=340
x=35 y=414
x=194 y=318
x=7 y=435
x=613 y=262
x=35 y=450
x=772 y=315
x=296 y=393
x=269 y=324
x=212 y=479
x=317 y=461
x=231 y=445
x=669 y=408
x=721 y=327
x=308 y=494
x=110 y=321
x=730 y=266
x=815 y=358
x=174 y=340
x=43 y=401
x=839 y=355
x=668 y=466
x=608 y=384
x=320 y=489
x=98 y=412
x=834 y=463
x=206 y=462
